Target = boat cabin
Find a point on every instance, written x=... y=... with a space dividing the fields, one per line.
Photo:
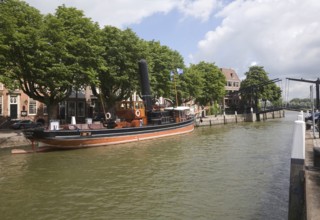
x=131 y=112
x=180 y=113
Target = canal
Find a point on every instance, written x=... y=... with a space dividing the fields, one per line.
x=225 y=172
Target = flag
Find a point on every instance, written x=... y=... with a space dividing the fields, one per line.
x=179 y=71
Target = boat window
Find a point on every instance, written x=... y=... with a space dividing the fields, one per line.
x=128 y=105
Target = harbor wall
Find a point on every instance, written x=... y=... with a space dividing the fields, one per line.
x=304 y=191
x=226 y=119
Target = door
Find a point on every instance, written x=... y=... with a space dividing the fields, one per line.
x=13 y=111
x=14 y=106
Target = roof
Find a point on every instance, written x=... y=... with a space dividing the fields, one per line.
x=230 y=74
x=179 y=108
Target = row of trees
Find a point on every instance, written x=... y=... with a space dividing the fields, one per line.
x=300 y=103
x=48 y=56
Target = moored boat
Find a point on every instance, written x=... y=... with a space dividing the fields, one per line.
x=133 y=121
x=91 y=135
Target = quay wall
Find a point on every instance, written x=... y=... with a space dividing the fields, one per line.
x=226 y=119
x=304 y=191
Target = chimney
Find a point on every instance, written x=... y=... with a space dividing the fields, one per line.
x=145 y=84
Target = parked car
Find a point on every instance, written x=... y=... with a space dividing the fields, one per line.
x=24 y=124
x=309 y=118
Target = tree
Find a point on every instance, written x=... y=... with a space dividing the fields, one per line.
x=48 y=56
x=20 y=27
x=191 y=85
x=214 y=82
x=122 y=51
x=257 y=86
x=162 y=61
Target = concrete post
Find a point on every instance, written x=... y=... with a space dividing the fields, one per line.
x=236 y=115
x=73 y=120
x=296 y=191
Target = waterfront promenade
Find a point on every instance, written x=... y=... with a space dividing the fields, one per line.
x=312 y=177
x=12 y=138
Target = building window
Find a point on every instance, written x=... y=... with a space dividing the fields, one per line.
x=80 y=109
x=13 y=100
x=71 y=108
x=1 y=105
x=32 y=106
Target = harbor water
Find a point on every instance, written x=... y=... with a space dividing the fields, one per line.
x=225 y=172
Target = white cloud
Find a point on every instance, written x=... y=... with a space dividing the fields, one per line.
x=121 y=13
x=201 y=9
x=108 y=12
x=283 y=36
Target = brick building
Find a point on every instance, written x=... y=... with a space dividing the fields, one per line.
x=15 y=104
x=231 y=100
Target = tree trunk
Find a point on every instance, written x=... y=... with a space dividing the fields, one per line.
x=52 y=111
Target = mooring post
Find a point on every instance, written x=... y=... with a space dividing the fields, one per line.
x=33 y=146
x=296 y=191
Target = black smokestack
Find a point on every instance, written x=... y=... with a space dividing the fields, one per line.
x=145 y=84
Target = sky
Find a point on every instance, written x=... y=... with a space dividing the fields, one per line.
x=283 y=36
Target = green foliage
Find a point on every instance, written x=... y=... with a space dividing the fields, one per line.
x=191 y=84
x=122 y=51
x=301 y=103
x=20 y=30
x=47 y=55
x=257 y=86
x=213 y=82
x=214 y=109
x=161 y=62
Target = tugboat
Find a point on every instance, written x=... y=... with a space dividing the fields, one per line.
x=136 y=121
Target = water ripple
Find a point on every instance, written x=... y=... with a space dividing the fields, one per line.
x=222 y=172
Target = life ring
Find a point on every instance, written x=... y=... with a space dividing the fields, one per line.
x=108 y=115
x=137 y=113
